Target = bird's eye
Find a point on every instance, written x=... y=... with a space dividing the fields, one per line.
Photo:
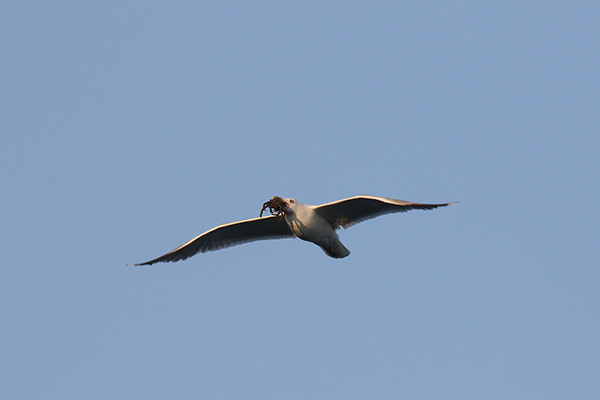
x=292 y=201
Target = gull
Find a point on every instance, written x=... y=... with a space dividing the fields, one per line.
x=289 y=218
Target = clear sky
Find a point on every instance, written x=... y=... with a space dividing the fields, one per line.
x=131 y=127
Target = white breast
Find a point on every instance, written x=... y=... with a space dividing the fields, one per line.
x=306 y=224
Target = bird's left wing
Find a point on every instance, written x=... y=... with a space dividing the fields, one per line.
x=348 y=212
x=271 y=227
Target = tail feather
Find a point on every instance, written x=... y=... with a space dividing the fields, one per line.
x=336 y=250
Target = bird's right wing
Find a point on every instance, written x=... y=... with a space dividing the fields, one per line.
x=271 y=227
x=348 y=212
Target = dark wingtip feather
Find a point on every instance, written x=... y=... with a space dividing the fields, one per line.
x=140 y=264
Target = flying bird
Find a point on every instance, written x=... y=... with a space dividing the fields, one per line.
x=289 y=218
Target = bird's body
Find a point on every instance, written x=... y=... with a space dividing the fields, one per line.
x=290 y=218
x=306 y=224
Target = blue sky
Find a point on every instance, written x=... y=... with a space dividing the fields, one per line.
x=130 y=128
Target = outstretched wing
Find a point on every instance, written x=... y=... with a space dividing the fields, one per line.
x=348 y=212
x=271 y=227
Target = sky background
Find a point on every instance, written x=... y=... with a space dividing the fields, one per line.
x=131 y=127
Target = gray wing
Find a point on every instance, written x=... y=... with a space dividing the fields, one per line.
x=348 y=212
x=270 y=227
